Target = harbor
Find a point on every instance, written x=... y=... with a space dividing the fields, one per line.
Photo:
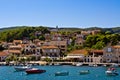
x=95 y=73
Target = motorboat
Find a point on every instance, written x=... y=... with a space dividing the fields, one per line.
x=111 y=71
x=62 y=73
x=22 y=68
x=79 y=64
x=57 y=64
x=84 y=72
x=95 y=65
x=91 y=65
x=115 y=65
x=34 y=71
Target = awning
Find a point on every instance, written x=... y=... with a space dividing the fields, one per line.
x=74 y=57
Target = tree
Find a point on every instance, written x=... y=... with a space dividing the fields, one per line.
x=1 y=48
x=41 y=38
x=99 y=45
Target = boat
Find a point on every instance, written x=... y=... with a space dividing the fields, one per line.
x=79 y=64
x=115 y=65
x=84 y=72
x=95 y=65
x=22 y=68
x=91 y=65
x=111 y=71
x=34 y=71
x=57 y=64
x=62 y=73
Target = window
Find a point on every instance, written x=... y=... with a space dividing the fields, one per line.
x=37 y=50
x=109 y=50
x=50 y=50
x=55 y=50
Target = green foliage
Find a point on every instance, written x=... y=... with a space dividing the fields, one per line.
x=23 y=32
x=41 y=38
x=11 y=57
x=99 y=41
x=1 y=48
x=47 y=59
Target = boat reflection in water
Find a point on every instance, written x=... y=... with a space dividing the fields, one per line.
x=62 y=73
x=34 y=71
x=84 y=72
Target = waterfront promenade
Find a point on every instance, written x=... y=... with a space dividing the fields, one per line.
x=63 y=63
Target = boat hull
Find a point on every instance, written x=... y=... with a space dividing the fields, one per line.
x=111 y=73
x=84 y=72
x=61 y=73
x=35 y=71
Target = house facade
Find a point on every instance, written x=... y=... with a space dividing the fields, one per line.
x=15 y=49
x=3 y=56
x=94 y=56
x=51 y=51
x=76 y=55
x=111 y=54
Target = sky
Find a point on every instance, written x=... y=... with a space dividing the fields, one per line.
x=61 y=13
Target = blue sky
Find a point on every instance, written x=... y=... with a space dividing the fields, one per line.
x=64 y=13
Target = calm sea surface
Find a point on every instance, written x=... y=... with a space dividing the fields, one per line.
x=96 y=73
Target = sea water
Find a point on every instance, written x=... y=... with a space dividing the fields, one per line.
x=96 y=73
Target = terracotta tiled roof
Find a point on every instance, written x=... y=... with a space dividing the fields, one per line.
x=58 y=42
x=117 y=46
x=97 y=51
x=14 y=51
x=79 y=52
x=49 y=47
x=14 y=46
x=3 y=54
x=17 y=41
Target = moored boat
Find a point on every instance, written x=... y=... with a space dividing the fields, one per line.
x=62 y=73
x=84 y=72
x=21 y=68
x=79 y=64
x=34 y=71
x=111 y=71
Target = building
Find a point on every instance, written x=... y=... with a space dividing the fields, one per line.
x=94 y=56
x=79 y=39
x=15 y=49
x=112 y=54
x=3 y=56
x=62 y=45
x=50 y=51
x=16 y=42
x=31 y=49
x=76 y=55
x=117 y=53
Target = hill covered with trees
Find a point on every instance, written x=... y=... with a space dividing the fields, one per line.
x=9 y=34
x=98 y=41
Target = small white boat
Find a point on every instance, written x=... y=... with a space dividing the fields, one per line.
x=56 y=64
x=62 y=73
x=91 y=65
x=95 y=65
x=115 y=65
x=84 y=72
x=104 y=65
x=79 y=64
x=111 y=71
x=21 y=68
